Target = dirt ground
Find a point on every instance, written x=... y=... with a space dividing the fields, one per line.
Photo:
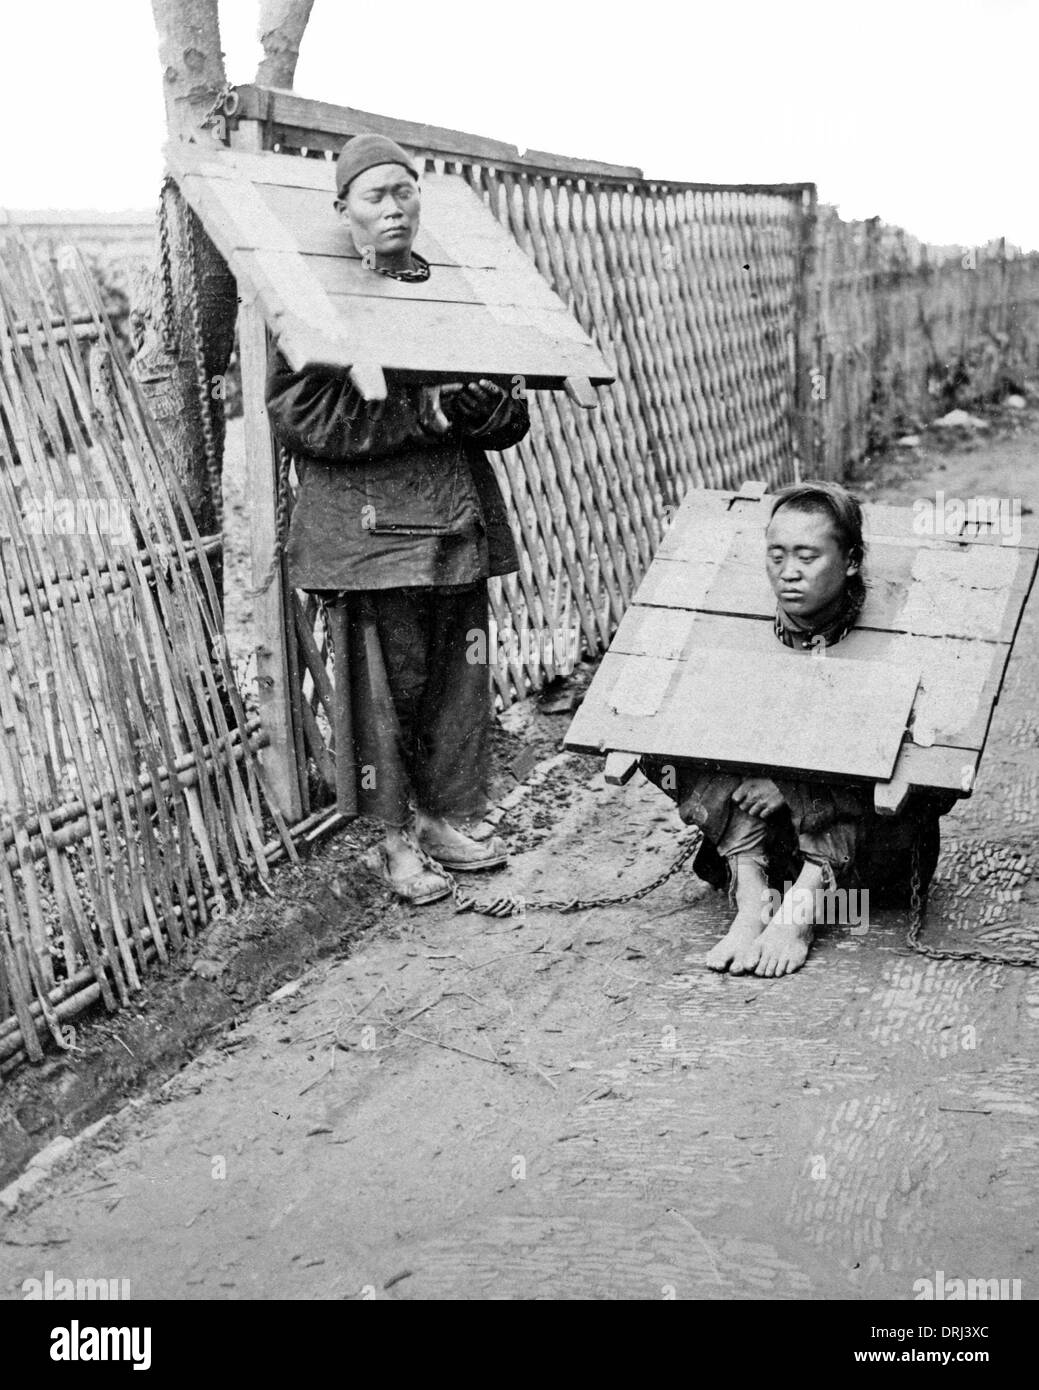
x=571 y=1106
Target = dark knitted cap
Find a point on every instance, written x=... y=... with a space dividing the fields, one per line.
x=365 y=152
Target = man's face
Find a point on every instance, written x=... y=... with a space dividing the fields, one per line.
x=382 y=206
x=805 y=565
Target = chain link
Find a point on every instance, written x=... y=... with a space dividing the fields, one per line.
x=226 y=91
x=201 y=373
x=515 y=905
x=170 y=331
x=167 y=326
x=917 y=911
x=281 y=521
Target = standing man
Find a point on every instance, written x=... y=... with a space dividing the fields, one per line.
x=400 y=516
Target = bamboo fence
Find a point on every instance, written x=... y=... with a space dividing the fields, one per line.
x=905 y=331
x=131 y=804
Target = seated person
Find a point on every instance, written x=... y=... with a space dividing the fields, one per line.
x=793 y=835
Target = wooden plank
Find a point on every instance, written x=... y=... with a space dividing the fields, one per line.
x=620 y=768
x=581 y=392
x=959 y=678
x=343 y=728
x=345 y=275
x=305 y=115
x=442 y=341
x=903 y=523
x=596 y=729
x=278 y=758
x=947 y=588
x=557 y=330
x=738 y=707
x=213 y=161
x=891 y=796
x=256 y=226
x=880 y=521
x=268 y=103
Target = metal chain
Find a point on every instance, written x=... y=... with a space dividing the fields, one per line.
x=167 y=325
x=918 y=908
x=510 y=905
x=281 y=521
x=226 y=91
x=201 y=373
x=514 y=905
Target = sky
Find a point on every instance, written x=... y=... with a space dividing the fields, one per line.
x=919 y=111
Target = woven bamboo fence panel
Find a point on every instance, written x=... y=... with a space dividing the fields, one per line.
x=131 y=805
x=905 y=331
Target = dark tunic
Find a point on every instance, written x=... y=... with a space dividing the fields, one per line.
x=385 y=501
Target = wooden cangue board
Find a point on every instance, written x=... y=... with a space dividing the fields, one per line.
x=696 y=673
x=485 y=311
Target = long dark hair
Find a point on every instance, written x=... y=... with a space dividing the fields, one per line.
x=824 y=498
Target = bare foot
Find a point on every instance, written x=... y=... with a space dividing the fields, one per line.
x=750 y=919
x=781 y=949
x=738 y=939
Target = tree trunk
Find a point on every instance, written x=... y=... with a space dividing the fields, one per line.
x=193 y=76
x=281 y=27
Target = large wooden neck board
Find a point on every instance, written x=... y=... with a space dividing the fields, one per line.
x=485 y=310
x=696 y=673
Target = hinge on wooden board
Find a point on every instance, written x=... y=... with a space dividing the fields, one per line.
x=751 y=490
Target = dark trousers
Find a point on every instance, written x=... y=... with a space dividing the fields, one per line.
x=420 y=700
x=826 y=823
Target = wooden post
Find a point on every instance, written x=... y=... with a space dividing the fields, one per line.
x=278 y=759
x=346 y=765
x=247 y=135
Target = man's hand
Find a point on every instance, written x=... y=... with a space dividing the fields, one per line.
x=471 y=404
x=758 y=796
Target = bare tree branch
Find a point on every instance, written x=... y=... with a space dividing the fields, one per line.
x=281 y=27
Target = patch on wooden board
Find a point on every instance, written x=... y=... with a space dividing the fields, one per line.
x=953 y=675
x=641 y=687
x=973 y=584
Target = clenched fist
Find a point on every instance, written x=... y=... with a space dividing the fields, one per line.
x=472 y=403
x=758 y=796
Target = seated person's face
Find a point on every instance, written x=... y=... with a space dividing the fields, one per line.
x=805 y=565
x=382 y=206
